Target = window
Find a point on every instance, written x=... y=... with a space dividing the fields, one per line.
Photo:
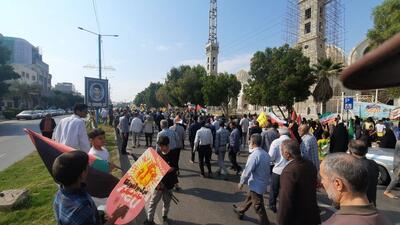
x=213 y=59
x=307 y=13
x=33 y=78
x=321 y=27
x=305 y=46
x=208 y=66
x=208 y=59
x=307 y=28
x=213 y=66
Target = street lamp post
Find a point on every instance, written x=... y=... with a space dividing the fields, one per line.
x=99 y=46
x=99 y=43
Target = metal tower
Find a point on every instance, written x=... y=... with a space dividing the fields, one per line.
x=212 y=44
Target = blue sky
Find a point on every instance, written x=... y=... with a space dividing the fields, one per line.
x=155 y=35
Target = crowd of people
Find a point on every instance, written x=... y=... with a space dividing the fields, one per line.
x=294 y=160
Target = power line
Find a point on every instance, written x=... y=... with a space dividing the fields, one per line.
x=95 y=14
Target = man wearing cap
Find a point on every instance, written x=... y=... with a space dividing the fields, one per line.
x=279 y=164
x=180 y=138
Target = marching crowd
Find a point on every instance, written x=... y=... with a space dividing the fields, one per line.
x=294 y=160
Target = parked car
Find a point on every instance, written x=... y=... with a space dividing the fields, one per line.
x=41 y=113
x=384 y=158
x=28 y=115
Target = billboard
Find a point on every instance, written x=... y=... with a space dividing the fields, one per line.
x=374 y=110
x=96 y=92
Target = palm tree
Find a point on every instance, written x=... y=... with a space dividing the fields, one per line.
x=325 y=69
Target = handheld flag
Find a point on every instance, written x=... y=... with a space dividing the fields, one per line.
x=262 y=119
x=327 y=117
x=136 y=186
x=99 y=184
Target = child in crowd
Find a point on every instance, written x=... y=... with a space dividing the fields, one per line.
x=323 y=145
x=98 y=140
x=164 y=189
x=72 y=204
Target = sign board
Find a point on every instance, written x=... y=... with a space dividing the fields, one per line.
x=136 y=186
x=96 y=92
x=348 y=103
x=374 y=110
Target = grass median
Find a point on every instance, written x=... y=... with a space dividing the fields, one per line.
x=30 y=173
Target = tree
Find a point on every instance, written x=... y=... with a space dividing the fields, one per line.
x=386 y=25
x=6 y=71
x=162 y=95
x=148 y=96
x=386 y=22
x=183 y=84
x=277 y=76
x=220 y=90
x=28 y=94
x=323 y=70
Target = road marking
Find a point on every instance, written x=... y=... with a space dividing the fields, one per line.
x=3 y=155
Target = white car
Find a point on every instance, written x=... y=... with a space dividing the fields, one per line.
x=28 y=115
x=384 y=158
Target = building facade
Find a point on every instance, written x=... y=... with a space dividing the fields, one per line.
x=65 y=87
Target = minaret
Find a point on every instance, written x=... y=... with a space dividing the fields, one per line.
x=312 y=29
x=212 y=44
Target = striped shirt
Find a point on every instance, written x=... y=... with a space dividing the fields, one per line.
x=309 y=149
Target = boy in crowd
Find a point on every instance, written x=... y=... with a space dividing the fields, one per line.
x=164 y=189
x=98 y=140
x=72 y=204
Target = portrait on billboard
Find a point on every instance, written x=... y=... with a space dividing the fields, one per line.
x=96 y=92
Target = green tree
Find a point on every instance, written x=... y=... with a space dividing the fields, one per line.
x=323 y=70
x=28 y=94
x=386 y=25
x=277 y=76
x=183 y=84
x=220 y=90
x=386 y=22
x=6 y=71
x=148 y=96
x=162 y=95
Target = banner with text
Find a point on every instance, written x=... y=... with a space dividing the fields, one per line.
x=136 y=186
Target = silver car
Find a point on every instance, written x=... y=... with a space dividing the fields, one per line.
x=384 y=158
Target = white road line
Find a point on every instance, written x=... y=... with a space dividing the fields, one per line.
x=3 y=155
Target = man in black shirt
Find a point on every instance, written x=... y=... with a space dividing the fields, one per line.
x=359 y=149
x=193 y=128
x=164 y=189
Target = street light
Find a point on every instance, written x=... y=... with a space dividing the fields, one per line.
x=99 y=43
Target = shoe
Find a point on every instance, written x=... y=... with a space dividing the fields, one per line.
x=202 y=175
x=177 y=188
x=147 y=222
x=191 y=161
x=165 y=220
x=209 y=175
x=239 y=214
x=273 y=208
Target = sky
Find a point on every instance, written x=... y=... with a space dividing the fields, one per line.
x=154 y=35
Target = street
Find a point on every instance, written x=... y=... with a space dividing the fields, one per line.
x=209 y=201
x=202 y=200
x=14 y=144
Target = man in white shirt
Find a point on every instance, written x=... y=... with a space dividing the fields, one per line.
x=244 y=123
x=136 y=128
x=71 y=131
x=202 y=144
x=279 y=164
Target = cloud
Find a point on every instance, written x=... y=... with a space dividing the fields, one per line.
x=227 y=64
x=163 y=48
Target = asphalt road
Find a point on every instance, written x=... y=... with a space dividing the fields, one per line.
x=14 y=143
x=209 y=201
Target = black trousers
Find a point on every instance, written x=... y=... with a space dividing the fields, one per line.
x=204 y=155
x=48 y=134
x=275 y=184
x=176 y=154
x=192 y=148
x=149 y=139
x=232 y=157
x=257 y=201
x=125 y=137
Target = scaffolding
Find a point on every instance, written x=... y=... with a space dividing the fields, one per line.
x=334 y=32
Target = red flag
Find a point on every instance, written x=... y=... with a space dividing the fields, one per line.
x=294 y=115
x=299 y=119
x=99 y=184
